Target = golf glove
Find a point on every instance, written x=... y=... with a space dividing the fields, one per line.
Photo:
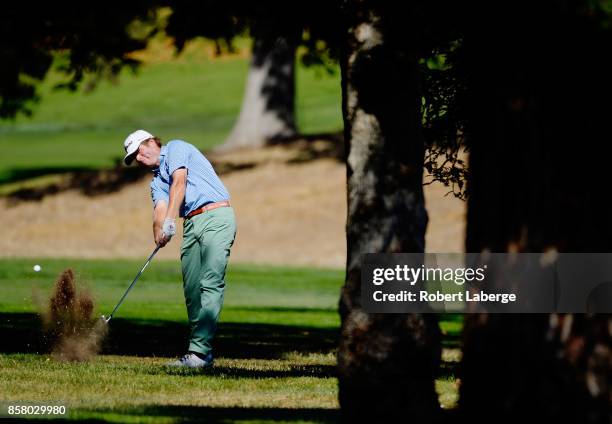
x=169 y=227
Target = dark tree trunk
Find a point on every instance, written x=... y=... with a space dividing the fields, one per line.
x=537 y=124
x=387 y=362
x=268 y=107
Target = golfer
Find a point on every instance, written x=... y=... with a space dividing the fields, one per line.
x=185 y=184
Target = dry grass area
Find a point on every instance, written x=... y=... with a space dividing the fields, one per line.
x=291 y=210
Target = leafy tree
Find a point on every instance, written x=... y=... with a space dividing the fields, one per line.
x=535 y=110
x=92 y=38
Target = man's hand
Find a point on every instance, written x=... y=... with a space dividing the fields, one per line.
x=164 y=234
x=169 y=228
x=160 y=238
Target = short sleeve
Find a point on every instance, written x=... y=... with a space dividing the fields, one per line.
x=158 y=192
x=177 y=157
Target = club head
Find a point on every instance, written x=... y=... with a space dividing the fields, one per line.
x=104 y=319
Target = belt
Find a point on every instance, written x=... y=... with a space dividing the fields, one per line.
x=208 y=207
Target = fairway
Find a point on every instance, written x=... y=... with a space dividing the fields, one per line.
x=275 y=346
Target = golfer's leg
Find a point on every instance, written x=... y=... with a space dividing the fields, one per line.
x=218 y=237
x=191 y=262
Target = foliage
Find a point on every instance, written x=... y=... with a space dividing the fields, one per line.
x=314 y=25
x=94 y=37
x=442 y=122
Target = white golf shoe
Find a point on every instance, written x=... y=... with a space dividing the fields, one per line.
x=193 y=361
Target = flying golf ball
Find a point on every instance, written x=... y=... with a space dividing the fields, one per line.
x=37 y=268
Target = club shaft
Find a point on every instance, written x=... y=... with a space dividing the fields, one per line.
x=133 y=283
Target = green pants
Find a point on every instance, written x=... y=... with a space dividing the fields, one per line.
x=207 y=240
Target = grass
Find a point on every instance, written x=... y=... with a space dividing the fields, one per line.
x=276 y=346
x=193 y=97
x=114 y=383
x=255 y=294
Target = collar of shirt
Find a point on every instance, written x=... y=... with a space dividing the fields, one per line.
x=162 y=157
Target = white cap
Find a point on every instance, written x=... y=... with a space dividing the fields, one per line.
x=132 y=142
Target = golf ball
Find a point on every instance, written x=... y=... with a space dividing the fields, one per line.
x=37 y=268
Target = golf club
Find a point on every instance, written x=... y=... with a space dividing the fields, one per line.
x=105 y=319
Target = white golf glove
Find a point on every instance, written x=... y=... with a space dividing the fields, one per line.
x=169 y=228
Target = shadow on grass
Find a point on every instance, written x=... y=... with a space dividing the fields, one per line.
x=451 y=340
x=207 y=414
x=91 y=182
x=316 y=371
x=329 y=145
x=14 y=175
x=448 y=369
x=197 y=414
x=225 y=415
x=22 y=333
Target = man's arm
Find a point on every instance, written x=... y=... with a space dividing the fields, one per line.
x=164 y=226
x=159 y=214
x=177 y=192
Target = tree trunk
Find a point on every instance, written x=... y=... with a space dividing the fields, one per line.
x=268 y=107
x=387 y=362
x=537 y=116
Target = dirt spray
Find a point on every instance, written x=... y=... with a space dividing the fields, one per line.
x=69 y=324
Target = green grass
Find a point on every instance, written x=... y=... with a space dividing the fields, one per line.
x=254 y=294
x=275 y=346
x=196 y=99
x=124 y=385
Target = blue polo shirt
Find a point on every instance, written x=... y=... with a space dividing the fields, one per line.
x=203 y=184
